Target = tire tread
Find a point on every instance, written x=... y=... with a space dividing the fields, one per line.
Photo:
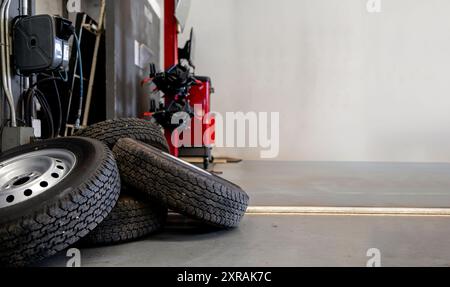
x=131 y=219
x=64 y=221
x=182 y=188
x=111 y=131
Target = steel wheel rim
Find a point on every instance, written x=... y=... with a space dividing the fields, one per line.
x=29 y=175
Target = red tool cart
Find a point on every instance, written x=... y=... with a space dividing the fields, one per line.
x=183 y=92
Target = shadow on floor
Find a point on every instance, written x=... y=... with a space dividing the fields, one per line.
x=180 y=228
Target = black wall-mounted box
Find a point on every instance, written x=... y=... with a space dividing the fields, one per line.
x=41 y=44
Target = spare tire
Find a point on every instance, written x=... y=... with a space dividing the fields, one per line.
x=184 y=188
x=52 y=194
x=133 y=217
x=111 y=131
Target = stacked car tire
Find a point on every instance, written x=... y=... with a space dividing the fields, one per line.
x=113 y=182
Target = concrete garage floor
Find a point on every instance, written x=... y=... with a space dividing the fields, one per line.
x=343 y=184
x=266 y=240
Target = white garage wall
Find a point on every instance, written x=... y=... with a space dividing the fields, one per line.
x=52 y=7
x=350 y=85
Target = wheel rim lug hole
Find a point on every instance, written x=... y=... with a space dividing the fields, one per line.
x=10 y=199
x=33 y=173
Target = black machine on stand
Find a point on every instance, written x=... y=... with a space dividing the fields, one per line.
x=187 y=97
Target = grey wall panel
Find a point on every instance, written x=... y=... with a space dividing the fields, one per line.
x=129 y=23
x=52 y=7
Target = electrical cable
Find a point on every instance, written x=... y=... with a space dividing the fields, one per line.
x=4 y=52
x=8 y=47
x=80 y=64
x=58 y=97
x=47 y=112
x=35 y=93
x=65 y=78
x=45 y=80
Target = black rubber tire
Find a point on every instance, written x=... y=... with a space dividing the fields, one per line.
x=58 y=218
x=183 y=187
x=111 y=131
x=133 y=217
